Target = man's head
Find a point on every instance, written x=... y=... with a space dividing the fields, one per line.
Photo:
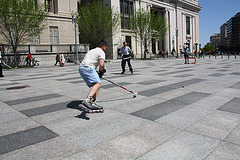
x=103 y=45
x=125 y=43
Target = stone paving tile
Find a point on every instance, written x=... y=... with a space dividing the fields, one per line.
x=234 y=136
x=159 y=110
x=155 y=91
x=112 y=85
x=185 y=116
x=210 y=87
x=232 y=106
x=184 y=75
x=229 y=92
x=236 y=86
x=127 y=145
x=45 y=109
x=184 y=146
x=212 y=102
x=161 y=124
x=191 y=97
x=9 y=84
x=24 y=138
x=30 y=99
x=138 y=103
x=17 y=125
x=217 y=74
x=8 y=95
x=91 y=135
x=34 y=104
x=218 y=124
x=225 y=151
x=10 y=115
x=235 y=73
x=148 y=82
x=56 y=148
x=32 y=78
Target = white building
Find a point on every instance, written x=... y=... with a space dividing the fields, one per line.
x=60 y=29
x=182 y=18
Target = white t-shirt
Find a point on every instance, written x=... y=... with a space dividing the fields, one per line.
x=92 y=57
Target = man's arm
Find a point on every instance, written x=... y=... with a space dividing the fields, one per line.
x=101 y=65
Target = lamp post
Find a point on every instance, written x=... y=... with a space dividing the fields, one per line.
x=75 y=21
x=177 y=42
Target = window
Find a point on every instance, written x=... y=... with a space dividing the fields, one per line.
x=126 y=8
x=35 y=39
x=53 y=35
x=188 y=25
x=51 y=6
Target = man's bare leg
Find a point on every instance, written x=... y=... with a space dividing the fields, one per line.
x=94 y=91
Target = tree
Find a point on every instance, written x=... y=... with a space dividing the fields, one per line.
x=146 y=26
x=208 y=47
x=96 y=22
x=20 y=20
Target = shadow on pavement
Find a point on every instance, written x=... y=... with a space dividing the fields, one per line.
x=75 y=105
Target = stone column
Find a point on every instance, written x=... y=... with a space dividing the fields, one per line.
x=166 y=39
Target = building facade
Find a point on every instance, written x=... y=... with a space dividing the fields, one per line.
x=223 y=34
x=182 y=18
x=60 y=29
x=233 y=32
x=215 y=39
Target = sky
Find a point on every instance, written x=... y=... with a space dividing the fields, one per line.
x=213 y=15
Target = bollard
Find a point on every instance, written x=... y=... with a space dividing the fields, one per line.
x=209 y=56
x=228 y=56
x=235 y=56
x=215 y=56
x=222 y=56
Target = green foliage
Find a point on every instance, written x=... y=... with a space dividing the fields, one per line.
x=96 y=22
x=146 y=25
x=208 y=47
x=21 y=19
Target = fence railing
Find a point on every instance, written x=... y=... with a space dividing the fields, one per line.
x=44 y=52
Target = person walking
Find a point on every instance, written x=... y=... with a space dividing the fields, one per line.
x=29 y=59
x=58 y=58
x=186 y=55
x=87 y=69
x=1 y=74
x=126 y=52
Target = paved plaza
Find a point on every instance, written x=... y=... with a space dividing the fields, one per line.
x=40 y=118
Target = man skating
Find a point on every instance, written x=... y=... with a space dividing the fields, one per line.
x=87 y=70
x=125 y=52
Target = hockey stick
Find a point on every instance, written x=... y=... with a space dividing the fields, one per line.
x=134 y=93
x=7 y=65
x=127 y=58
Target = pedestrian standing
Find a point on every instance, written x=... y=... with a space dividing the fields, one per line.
x=58 y=58
x=87 y=70
x=186 y=55
x=126 y=52
x=1 y=74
